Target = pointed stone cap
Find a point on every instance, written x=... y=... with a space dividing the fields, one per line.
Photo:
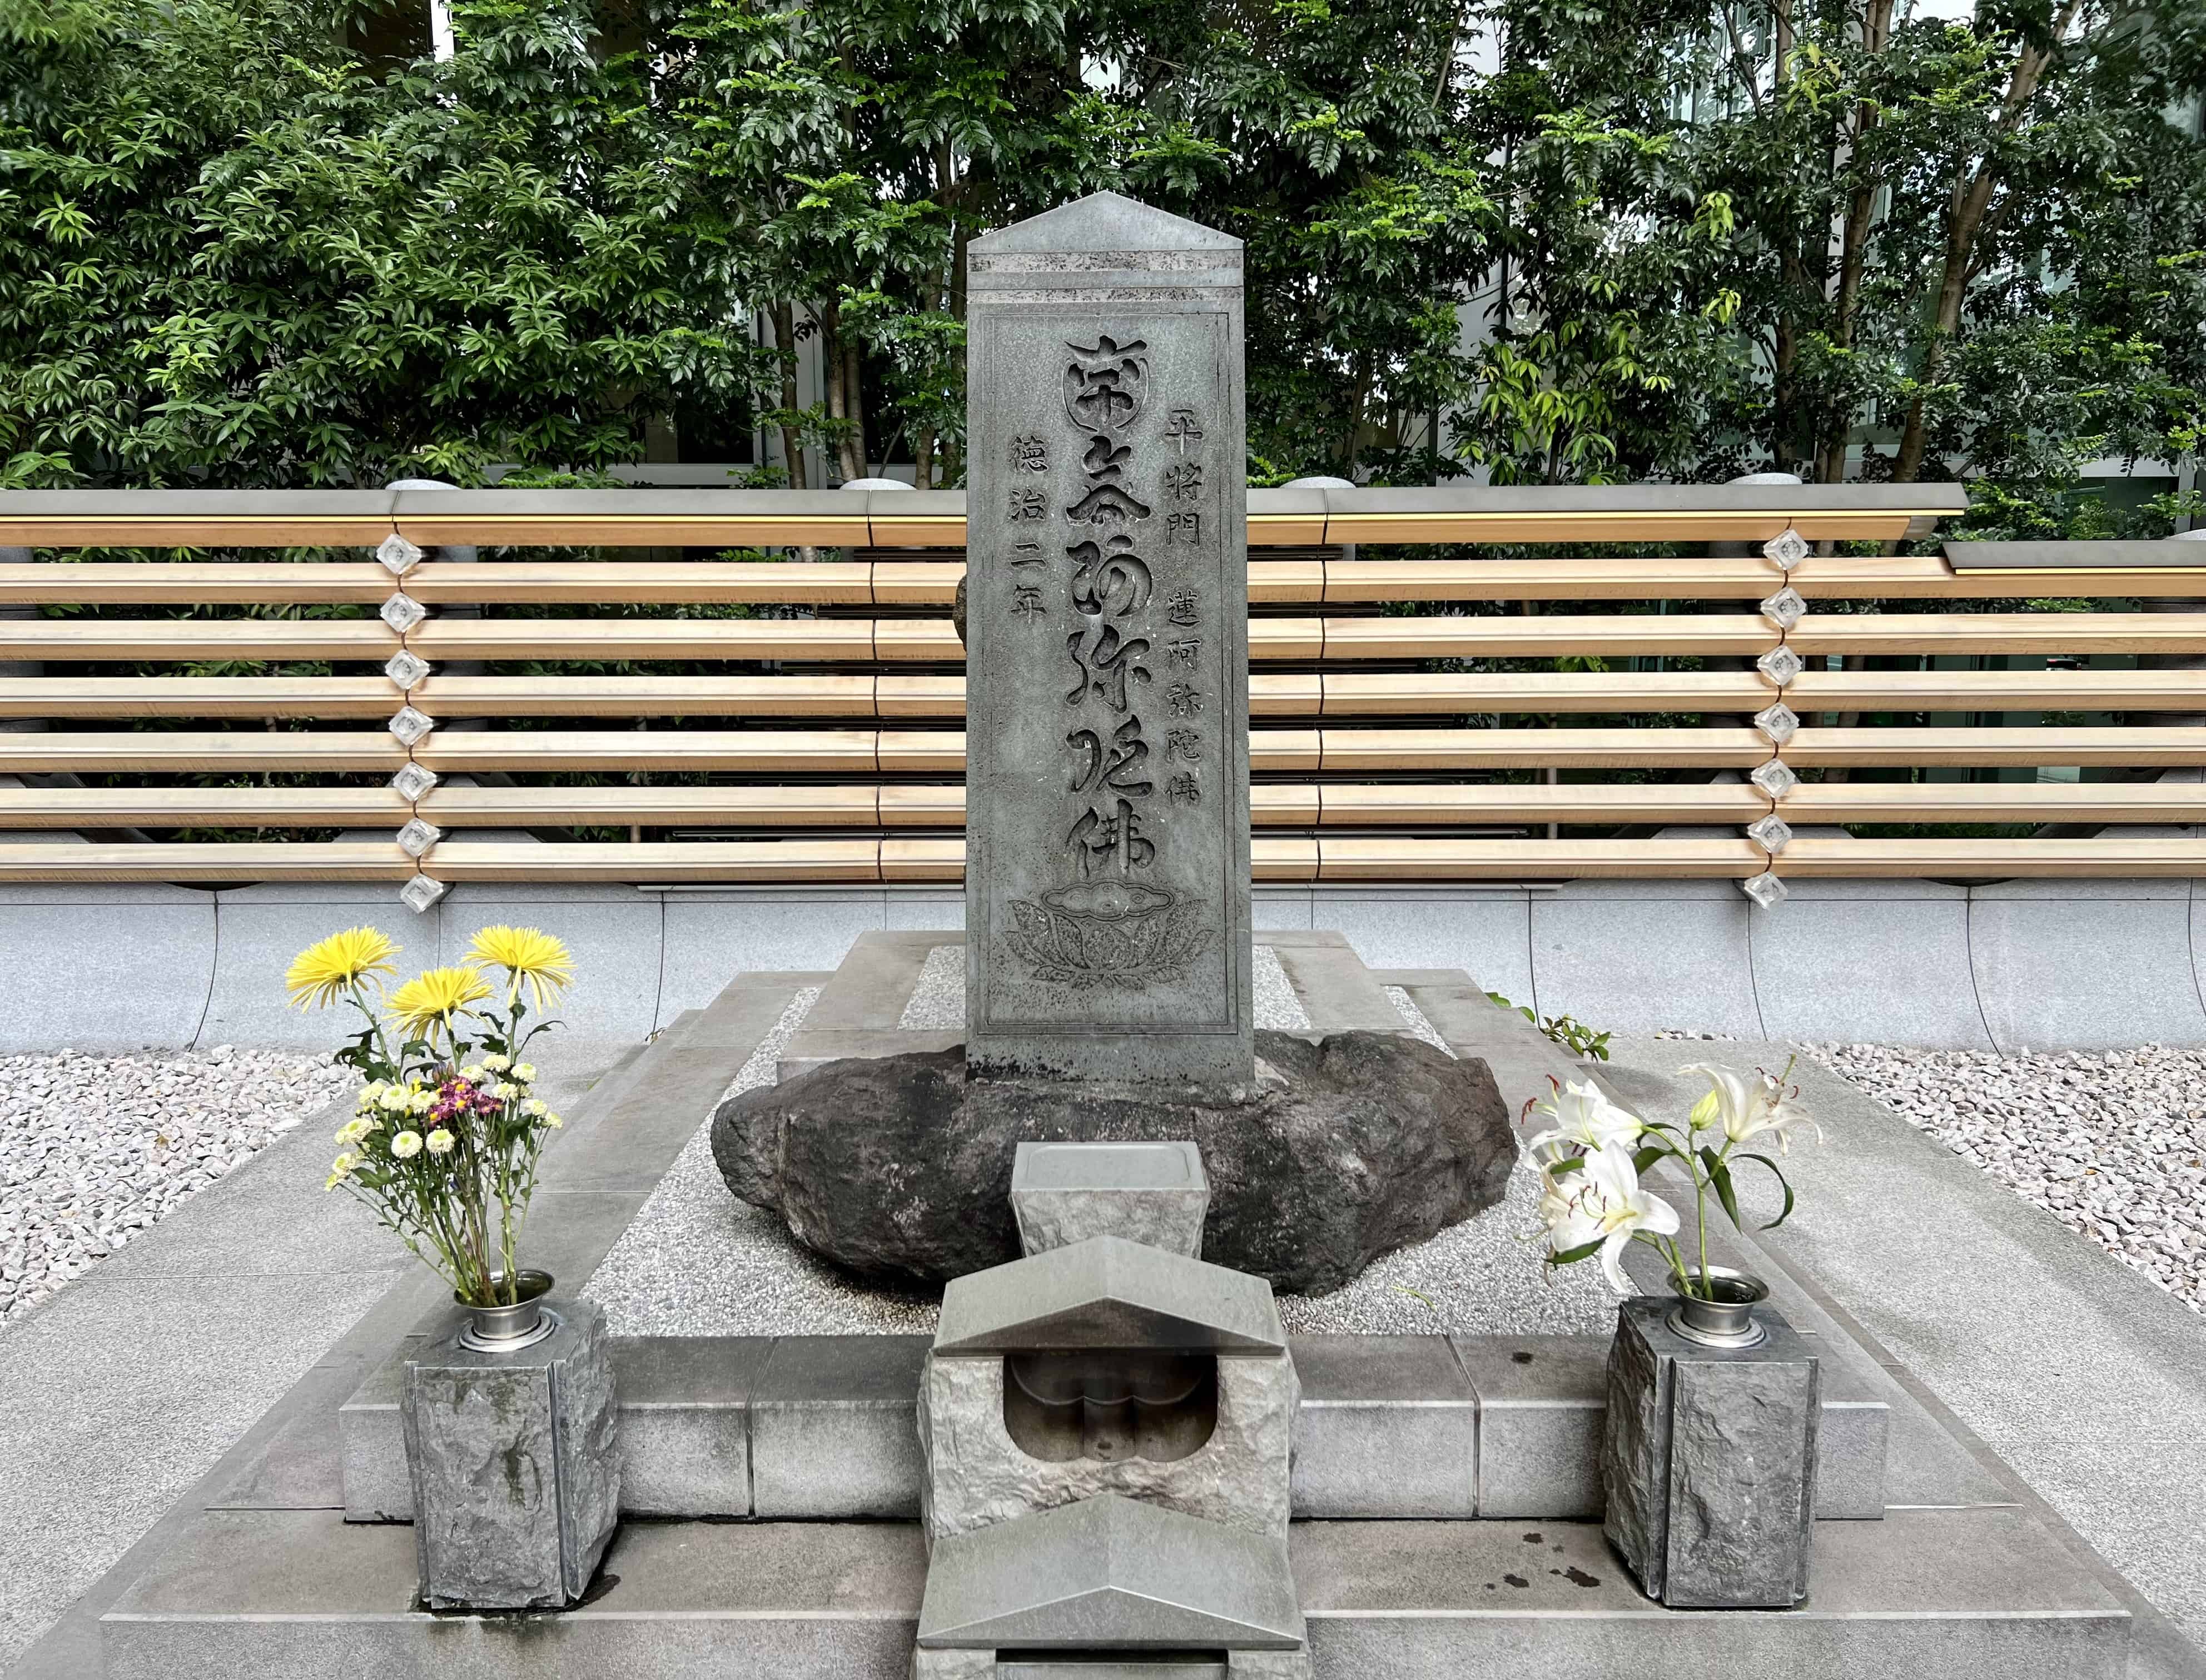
x=1103 y=221
x=1108 y=1293
x=1110 y=1574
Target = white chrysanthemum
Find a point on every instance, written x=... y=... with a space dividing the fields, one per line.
x=440 y=1141
x=355 y=1129
x=498 y=1064
x=423 y=1101
x=536 y=1108
x=406 y=1146
x=473 y=1073
x=505 y=1090
x=398 y=1101
x=524 y=1071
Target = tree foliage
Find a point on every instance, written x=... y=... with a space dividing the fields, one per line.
x=1592 y=239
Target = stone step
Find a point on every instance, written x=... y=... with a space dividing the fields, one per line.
x=860 y=1011
x=1978 y=1594
x=813 y=1427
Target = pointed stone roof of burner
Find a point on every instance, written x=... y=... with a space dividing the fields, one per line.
x=1108 y=1292
x=1110 y=1574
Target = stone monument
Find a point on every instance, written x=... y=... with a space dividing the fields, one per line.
x=1108 y=959
x=1107 y=729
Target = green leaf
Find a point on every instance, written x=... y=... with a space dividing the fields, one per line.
x=1782 y=1181
x=1572 y=1256
x=1720 y=1176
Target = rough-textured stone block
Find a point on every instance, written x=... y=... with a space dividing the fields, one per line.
x=1267 y=1665
x=977 y=1475
x=1710 y=1461
x=1388 y=1427
x=954 y=1665
x=516 y=1462
x=833 y=1427
x=1152 y=1193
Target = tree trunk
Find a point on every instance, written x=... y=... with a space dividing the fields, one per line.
x=792 y=445
x=1853 y=252
x=855 y=462
x=1965 y=216
x=922 y=457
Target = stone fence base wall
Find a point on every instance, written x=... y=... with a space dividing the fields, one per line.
x=2042 y=964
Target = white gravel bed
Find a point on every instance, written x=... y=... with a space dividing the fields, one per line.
x=694 y=1261
x=2113 y=1145
x=1484 y=1277
x=95 y=1149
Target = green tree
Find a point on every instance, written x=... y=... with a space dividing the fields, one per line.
x=290 y=272
x=1974 y=247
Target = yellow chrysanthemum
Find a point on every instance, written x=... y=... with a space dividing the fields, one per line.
x=323 y=972
x=434 y=996
x=528 y=954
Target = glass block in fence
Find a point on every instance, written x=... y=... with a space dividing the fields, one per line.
x=1785 y=608
x=405 y=669
x=1765 y=889
x=1778 y=721
x=401 y=613
x=412 y=780
x=398 y=556
x=1772 y=833
x=1780 y=664
x=1774 y=779
x=1788 y=548
x=417 y=837
x=419 y=893
x=411 y=726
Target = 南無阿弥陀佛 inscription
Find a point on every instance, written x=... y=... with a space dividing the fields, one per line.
x=1107 y=634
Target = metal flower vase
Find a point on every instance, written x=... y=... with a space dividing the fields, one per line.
x=513 y=1446
x=1709 y=1454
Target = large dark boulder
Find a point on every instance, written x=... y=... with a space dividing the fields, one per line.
x=899 y=1168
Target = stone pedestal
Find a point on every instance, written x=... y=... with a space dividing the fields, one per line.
x=1152 y=1193
x=514 y=1460
x=1710 y=1461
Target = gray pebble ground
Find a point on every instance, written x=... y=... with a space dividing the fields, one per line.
x=2112 y=1144
x=95 y=1149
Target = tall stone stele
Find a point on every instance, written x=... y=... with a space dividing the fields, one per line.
x=1106 y=628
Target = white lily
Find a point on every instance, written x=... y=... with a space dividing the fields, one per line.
x=1568 y=1225
x=1615 y=1209
x=1585 y=1121
x=1747 y=1106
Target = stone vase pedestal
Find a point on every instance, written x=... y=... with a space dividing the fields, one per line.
x=1710 y=1461
x=515 y=1459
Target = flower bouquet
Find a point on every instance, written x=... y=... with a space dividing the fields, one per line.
x=444 y=1142
x=1710 y=1483
x=1593 y=1155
